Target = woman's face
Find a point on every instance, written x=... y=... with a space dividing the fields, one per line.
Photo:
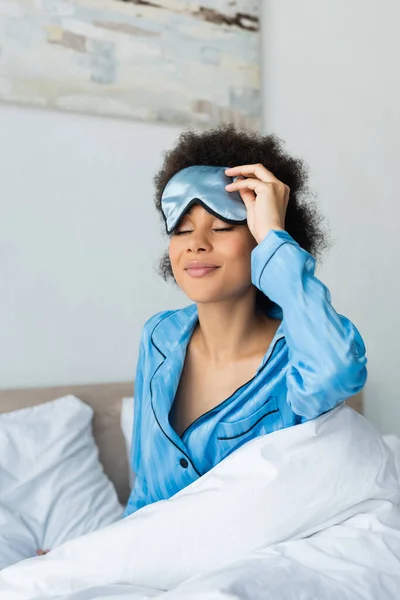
x=210 y=258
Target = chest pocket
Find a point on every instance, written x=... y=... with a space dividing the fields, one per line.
x=264 y=420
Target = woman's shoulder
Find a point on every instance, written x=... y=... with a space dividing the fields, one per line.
x=156 y=319
x=153 y=322
x=166 y=324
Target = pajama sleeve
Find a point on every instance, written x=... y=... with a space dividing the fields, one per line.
x=138 y=496
x=327 y=361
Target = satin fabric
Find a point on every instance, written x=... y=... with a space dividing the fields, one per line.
x=204 y=185
x=316 y=360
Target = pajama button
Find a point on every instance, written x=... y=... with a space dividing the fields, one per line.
x=184 y=463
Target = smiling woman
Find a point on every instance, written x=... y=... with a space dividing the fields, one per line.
x=222 y=269
x=261 y=347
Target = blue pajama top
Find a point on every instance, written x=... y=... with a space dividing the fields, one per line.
x=315 y=361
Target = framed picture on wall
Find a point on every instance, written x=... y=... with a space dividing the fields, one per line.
x=170 y=61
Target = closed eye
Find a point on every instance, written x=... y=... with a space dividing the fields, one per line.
x=181 y=232
x=215 y=229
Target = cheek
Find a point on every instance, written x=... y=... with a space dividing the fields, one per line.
x=174 y=252
x=174 y=248
x=238 y=252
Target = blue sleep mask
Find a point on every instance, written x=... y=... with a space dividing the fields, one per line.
x=202 y=185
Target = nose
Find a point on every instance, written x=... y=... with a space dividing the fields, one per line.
x=198 y=241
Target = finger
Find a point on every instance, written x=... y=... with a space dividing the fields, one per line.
x=245 y=190
x=242 y=184
x=258 y=170
x=248 y=197
x=256 y=185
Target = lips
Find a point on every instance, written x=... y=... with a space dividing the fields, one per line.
x=200 y=269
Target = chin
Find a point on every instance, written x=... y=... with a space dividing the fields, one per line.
x=204 y=296
x=204 y=299
x=207 y=290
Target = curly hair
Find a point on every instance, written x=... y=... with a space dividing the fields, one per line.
x=225 y=146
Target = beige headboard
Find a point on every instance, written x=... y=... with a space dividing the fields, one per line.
x=105 y=399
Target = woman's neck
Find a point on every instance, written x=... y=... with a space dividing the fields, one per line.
x=231 y=329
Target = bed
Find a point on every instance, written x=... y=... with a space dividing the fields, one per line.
x=311 y=510
x=105 y=400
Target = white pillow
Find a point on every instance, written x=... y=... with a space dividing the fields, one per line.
x=52 y=485
x=127 y=429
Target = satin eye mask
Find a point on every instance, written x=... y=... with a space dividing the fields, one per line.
x=204 y=185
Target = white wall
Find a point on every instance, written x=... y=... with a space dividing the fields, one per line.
x=332 y=92
x=79 y=237
x=79 y=241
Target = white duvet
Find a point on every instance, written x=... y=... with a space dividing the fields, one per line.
x=309 y=512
